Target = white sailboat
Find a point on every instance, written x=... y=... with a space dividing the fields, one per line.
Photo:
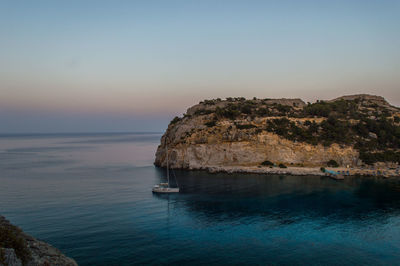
x=164 y=187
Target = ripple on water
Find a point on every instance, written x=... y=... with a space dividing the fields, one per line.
x=97 y=206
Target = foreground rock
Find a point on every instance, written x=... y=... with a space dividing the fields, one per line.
x=18 y=248
x=247 y=135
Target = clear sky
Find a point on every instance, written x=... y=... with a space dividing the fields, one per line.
x=73 y=66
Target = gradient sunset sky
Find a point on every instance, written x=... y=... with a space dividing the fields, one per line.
x=87 y=66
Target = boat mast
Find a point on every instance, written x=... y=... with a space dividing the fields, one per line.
x=166 y=148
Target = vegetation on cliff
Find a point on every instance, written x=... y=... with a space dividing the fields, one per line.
x=17 y=247
x=11 y=237
x=364 y=122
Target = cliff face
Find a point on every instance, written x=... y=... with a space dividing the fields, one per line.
x=227 y=133
x=223 y=147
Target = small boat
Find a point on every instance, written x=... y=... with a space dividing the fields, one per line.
x=164 y=187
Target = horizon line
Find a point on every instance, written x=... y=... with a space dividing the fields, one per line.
x=2 y=134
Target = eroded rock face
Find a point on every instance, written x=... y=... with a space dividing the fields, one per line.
x=211 y=149
x=194 y=145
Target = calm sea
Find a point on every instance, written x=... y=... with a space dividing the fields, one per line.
x=90 y=196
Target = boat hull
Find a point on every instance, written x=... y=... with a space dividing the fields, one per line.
x=165 y=190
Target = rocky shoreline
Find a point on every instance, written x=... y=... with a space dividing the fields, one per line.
x=18 y=248
x=300 y=171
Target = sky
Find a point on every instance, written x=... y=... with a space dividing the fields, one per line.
x=117 y=66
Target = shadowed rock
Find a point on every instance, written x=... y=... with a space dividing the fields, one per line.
x=18 y=248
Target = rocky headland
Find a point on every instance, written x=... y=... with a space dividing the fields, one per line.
x=357 y=134
x=18 y=248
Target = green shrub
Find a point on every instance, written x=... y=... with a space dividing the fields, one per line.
x=175 y=120
x=10 y=237
x=318 y=109
x=332 y=163
x=283 y=109
x=2 y=257
x=203 y=112
x=322 y=169
x=210 y=123
x=246 y=126
x=246 y=109
x=263 y=112
x=281 y=165
x=385 y=156
x=231 y=111
x=267 y=163
x=209 y=102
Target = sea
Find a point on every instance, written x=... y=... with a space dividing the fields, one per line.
x=90 y=196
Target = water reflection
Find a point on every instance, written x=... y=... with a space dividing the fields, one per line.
x=90 y=196
x=285 y=199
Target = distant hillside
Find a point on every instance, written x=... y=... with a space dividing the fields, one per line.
x=350 y=130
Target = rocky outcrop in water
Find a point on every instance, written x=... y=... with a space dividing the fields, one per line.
x=239 y=132
x=18 y=248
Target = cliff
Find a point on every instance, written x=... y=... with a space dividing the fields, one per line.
x=18 y=248
x=350 y=130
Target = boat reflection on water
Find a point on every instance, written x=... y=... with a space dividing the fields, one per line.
x=165 y=188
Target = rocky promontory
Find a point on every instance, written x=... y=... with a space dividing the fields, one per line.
x=280 y=135
x=18 y=248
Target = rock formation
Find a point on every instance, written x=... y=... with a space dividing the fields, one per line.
x=240 y=132
x=18 y=248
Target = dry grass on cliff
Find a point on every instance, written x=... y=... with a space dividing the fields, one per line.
x=11 y=237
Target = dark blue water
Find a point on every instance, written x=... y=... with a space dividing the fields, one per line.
x=90 y=196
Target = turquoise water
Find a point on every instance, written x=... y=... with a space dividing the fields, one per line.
x=90 y=196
